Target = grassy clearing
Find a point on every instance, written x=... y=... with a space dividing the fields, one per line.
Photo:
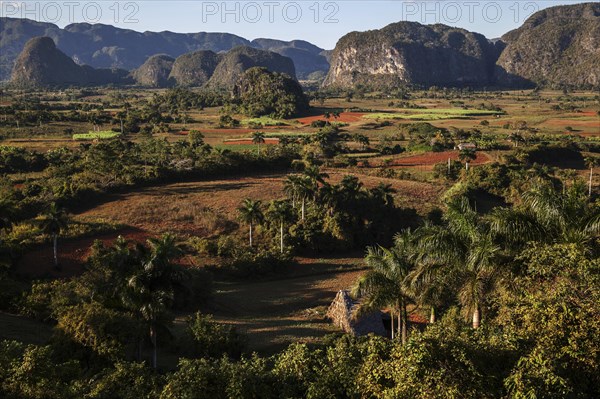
x=236 y=147
x=265 y=121
x=288 y=134
x=96 y=135
x=23 y=329
x=289 y=309
x=432 y=114
x=362 y=155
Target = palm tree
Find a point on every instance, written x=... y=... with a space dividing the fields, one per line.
x=150 y=290
x=258 y=138
x=329 y=196
x=462 y=252
x=384 y=285
x=591 y=162
x=53 y=223
x=280 y=212
x=385 y=192
x=315 y=176
x=549 y=215
x=298 y=187
x=466 y=156
x=251 y=212
x=305 y=189
x=515 y=138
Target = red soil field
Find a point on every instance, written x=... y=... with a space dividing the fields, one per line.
x=230 y=131
x=573 y=122
x=345 y=117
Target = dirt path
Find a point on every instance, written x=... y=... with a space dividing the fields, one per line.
x=276 y=313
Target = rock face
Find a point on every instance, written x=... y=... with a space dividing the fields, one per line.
x=411 y=53
x=309 y=60
x=195 y=69
x=155 y=72
x=558 y=46
x=105 y=46
x=42 y=64
x=235 y=62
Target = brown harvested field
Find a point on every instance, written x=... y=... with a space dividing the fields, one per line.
x=187 y=208
x=431 y=158
x=246 y=141
x=409 y=193
x=427 y=160
x=72 y=253
x=345 y=117
x=205 y=207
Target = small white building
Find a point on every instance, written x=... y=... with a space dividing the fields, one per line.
x=466 y=146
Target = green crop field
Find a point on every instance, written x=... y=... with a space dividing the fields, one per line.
x=432 y=114
x=96 y=135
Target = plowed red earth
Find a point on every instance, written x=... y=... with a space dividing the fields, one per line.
x=229 y=131
x=345 y=117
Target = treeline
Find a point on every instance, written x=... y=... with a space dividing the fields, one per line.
x=73 y=176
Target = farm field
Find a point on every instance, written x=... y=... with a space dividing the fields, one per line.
x=364 y=169
x=517 y=107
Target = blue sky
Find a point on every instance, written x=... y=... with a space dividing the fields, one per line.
x=319 y=22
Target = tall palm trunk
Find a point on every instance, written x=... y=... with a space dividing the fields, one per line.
x=55 y=246
x=392 y=322
x=591 y=179
x=250 y=234
x=303 y=207
x=403 y=323
x=281 y=236
x=154 y=345
x=476 y=317
x=432 y=315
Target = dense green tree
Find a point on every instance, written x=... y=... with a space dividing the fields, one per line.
x=385 y=284
x=151 y=288
x=466 y=248
x=467 y=156
x=550 y=215
x=261 y=92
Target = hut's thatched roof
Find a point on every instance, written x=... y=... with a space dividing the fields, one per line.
x=342 y=313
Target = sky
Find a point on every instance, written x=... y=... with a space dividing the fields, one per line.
x=319 y=22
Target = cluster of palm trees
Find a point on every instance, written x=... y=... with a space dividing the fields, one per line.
x=299 y=188
x=467 y=257
x=344 y=212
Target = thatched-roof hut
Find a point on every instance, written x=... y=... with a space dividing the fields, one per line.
x=342 y=313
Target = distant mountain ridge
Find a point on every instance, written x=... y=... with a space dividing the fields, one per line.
x=411 y=53
x=556 y=47
x=105 y=46
x=205 y=67
x=42 y=64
